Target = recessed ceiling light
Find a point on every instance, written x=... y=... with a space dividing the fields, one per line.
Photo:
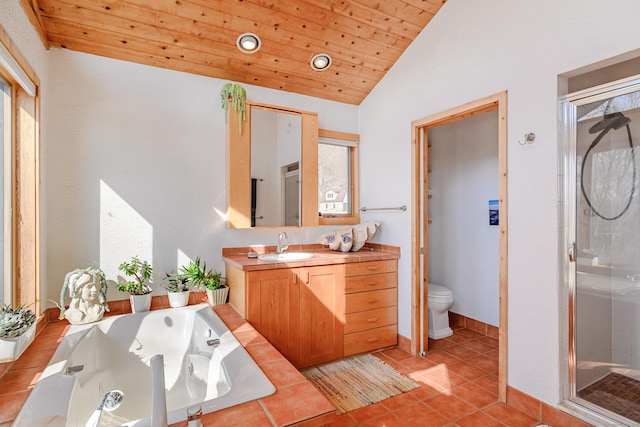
x=248 y=43
x=321 y=62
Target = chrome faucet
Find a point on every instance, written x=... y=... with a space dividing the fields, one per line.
x=634 y=277
x=281 y=248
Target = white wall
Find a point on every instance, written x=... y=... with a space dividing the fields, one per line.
x=463 y=247
x=134 y=164
x=471 y=50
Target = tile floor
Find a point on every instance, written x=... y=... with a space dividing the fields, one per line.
x=458 y=387
x=617 y=393
x=458 y=381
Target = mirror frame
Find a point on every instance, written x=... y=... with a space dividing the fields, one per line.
x=238 y=167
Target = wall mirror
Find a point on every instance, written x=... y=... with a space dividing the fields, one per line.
x=276 y=154
x=272 y=168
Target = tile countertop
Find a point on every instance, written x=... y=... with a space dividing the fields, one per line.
x=238 y=258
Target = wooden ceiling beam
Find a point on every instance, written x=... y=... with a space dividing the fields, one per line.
x=32 y=11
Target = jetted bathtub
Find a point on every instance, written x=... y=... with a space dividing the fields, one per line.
x=115 y=353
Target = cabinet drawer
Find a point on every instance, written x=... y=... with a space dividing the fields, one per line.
x=370 y=282
x=360 y=342
x=370 y=319
x=371 y=267
x=363 y=301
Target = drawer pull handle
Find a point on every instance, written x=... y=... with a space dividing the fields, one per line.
x=372 y=267
x=372 y=340
x=372 y=320
x=372 y=283
x=371 y=301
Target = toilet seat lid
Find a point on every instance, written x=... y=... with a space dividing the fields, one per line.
x=439 y=291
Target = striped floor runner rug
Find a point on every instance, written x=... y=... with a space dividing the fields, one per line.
x=358 y=381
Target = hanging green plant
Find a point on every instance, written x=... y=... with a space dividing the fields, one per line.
x=238 y=96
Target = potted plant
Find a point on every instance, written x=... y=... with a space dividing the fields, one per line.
x=178 y=289
x=236 y=95
x=139 y=291
x=211 y=280
x=17 y=330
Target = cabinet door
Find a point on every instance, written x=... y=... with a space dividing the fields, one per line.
x=321 y=314
x=273 y=309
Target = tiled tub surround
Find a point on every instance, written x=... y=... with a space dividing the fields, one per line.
x=295 y=399
x=117 y=354
x=455 y=390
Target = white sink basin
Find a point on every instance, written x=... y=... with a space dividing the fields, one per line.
x=285 y=256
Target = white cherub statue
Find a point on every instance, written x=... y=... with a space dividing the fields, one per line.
x=87 y=289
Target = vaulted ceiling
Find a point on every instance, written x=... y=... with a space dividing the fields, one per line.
x=363 y=37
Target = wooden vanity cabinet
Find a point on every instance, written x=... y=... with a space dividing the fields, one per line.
x=321 y=320
x=273 y=308
x=371 y=306
x=299 y=311
x=314 y=315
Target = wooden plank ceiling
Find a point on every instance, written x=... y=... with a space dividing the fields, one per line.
x=364 y=37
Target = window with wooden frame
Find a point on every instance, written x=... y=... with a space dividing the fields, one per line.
x=6 y=92
x=20 y=172
x=338 y=192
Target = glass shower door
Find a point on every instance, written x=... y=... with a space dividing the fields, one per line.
x=605 y=133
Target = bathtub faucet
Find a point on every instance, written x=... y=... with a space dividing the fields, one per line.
x=281 y=248
x=634 y=277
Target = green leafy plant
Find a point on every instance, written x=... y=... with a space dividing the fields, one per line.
x=140 y=271
x=177 y=282
x=199 y=275
x=15 y=321
x=238 y=98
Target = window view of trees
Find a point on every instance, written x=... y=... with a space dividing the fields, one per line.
x=334 y=179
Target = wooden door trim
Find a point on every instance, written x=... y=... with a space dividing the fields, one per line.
x=419 y=157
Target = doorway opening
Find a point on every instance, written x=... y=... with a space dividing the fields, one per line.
x=420 y=222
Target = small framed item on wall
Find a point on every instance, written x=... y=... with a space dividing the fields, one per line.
x=494 y=212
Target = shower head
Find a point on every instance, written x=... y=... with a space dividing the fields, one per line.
x=610 y=121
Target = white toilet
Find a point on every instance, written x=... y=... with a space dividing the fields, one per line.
x=439 y=301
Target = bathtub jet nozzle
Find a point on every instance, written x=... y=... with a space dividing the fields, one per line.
x=74 y=369
x=213 y=343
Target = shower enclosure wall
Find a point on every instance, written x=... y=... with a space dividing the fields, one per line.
x=601 y=177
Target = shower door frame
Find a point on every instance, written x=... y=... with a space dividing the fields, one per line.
x=567 y=157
